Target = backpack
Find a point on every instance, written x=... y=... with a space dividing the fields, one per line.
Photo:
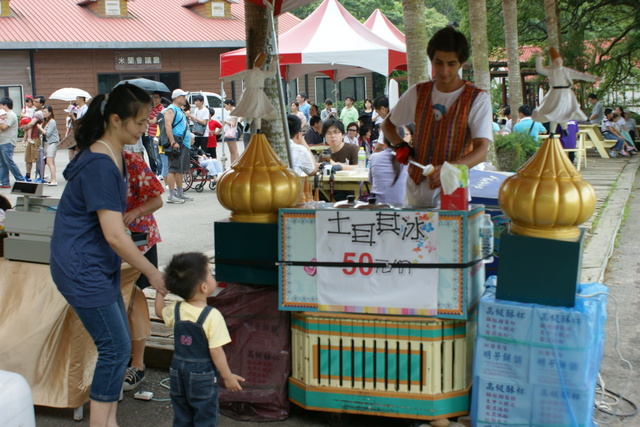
x=164 y=139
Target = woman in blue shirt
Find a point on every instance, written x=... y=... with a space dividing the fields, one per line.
x=89 y=239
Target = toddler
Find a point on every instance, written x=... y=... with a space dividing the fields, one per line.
x=199 y=334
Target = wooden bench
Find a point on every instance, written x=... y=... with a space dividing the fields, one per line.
x=595 y=139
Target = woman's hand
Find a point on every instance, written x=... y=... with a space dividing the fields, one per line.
x=131 y=216
x=157 y=281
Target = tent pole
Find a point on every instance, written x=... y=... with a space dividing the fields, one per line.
x=223 y=157
x=274 y=47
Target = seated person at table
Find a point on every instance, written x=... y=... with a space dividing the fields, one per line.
x=387 y=176
x=312 y=135
x=199 y=334
x=302 y=160
x=344 y=154
x=609 y=132
x=352 y=134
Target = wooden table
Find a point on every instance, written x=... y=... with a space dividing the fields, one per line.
x=594 y=139
x=344 y=181
x=42 y=338
x=319 y=148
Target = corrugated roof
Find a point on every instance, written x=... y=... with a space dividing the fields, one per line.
x=64 y=24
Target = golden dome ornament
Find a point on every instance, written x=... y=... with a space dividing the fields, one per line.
x=547 y=197
x=258 y=184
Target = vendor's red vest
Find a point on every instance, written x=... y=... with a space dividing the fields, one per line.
x=447 y=139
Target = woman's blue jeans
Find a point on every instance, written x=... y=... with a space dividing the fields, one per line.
x=109 y=328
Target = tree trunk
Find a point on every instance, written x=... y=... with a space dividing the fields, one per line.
x=257 y=30
x=480 y=55
x=510 y=13
x=553 y=24
x=416 y=38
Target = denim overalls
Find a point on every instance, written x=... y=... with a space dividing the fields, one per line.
x=194 y=378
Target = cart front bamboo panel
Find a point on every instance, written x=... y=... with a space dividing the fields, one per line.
x=415 y=355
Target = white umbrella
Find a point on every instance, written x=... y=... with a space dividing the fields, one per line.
x=69 y=94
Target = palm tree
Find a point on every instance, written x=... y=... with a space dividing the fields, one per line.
x=553 y=24
x=256 y=31
x=480 y=54
x=416 y=38
x=510 y=13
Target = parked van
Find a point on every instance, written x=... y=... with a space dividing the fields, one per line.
x=211 y=100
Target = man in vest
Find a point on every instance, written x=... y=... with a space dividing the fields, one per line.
x=452 y=119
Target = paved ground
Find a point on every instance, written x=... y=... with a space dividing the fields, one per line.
x=608 y=257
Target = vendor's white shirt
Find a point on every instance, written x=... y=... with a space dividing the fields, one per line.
x=479 y=120
x=301 y=159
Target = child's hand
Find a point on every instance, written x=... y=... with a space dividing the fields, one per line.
x=233 y=382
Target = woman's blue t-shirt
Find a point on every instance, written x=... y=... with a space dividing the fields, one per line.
x=83 y=266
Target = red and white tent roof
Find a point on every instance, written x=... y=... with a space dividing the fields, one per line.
x=380 y=24
x=328 y=39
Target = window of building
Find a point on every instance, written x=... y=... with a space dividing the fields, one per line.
x=351 y=86
x=16 y=93
x=106 y=82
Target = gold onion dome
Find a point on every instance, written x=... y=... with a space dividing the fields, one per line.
x=258 y=184
x=547 y=197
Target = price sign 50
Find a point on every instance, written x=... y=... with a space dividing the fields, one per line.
x=363 y=258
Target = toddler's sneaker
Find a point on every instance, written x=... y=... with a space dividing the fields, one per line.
x=132 y=378
x=175 y=200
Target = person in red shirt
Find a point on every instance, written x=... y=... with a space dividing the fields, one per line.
x=214 y=128
x=147 y=138
x=143 y=199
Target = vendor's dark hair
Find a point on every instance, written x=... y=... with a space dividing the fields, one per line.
x=185 y=272
x=125 y=101
x=295 y=124
x=313 y=120
x=449 y=40
x=332 y=122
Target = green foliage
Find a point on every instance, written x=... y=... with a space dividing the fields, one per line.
x=513 y=150
x=601 y=37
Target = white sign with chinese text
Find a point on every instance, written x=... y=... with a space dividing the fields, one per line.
x=377 y=236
